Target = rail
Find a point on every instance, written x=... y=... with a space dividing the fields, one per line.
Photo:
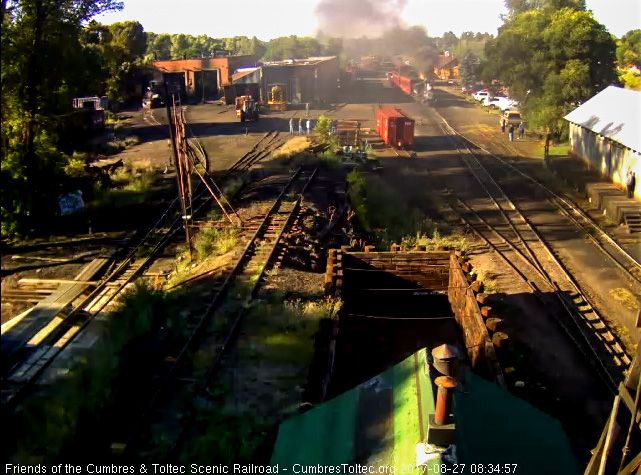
x=125 y=271
x=584 y=343
x=248 y=256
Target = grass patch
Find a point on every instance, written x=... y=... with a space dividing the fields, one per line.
x=626 y=297
x=324 y=159
x=559 y=150
x=285 y=328
x=434 y=241
x=292 y=146
x=214 y=241
x=274 y=334
x=131 y=185
x=74 y=418
x=489 y=283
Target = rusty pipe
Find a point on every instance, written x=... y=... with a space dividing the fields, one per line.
x=446 y=385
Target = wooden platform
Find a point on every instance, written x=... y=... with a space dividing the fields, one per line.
x=43 y=318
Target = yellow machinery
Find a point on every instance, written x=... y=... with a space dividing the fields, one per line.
x=276 y=99
x=246 y=108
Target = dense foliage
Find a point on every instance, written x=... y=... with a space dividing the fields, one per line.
x=629 y=49
x=552 y=59
x=469 y=68
x=44 y=65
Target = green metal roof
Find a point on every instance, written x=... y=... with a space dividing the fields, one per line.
x=378 y=424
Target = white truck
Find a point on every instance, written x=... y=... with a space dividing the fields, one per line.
x=481 y=95
x=501 y=102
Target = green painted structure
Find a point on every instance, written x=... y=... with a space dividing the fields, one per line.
x=380 y=422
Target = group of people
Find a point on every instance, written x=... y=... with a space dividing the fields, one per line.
x=511 y=130
x=308 y=123
x=300 y=126
x=630 y=183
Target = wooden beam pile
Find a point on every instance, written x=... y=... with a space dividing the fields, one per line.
x=475 y=318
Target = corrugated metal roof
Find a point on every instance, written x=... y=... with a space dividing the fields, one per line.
x=380 y=422
x=614 y=113
x=243 y=73
x=300 y=62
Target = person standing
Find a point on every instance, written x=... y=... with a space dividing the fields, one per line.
x=309 y=126
x=510 y=132
x=631 y=183
x=291 y=126
x=502 y=126
x=521 y=130
x=300 y=126
x=546 y=150
x=307 y=109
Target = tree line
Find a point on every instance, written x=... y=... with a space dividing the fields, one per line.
x=553 y=55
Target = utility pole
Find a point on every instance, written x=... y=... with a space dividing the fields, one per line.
x=185 y=214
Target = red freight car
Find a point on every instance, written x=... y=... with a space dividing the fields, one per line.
x=404 y=83
x=396 y=129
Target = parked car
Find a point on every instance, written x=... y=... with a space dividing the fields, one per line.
x=471 y=88
x=511 y=117
x=500 y=102
x=480 y=95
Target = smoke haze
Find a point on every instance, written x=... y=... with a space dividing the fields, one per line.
x=358 y=18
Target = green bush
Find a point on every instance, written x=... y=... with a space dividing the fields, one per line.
x=383 y=211
x=323 y=128
x=358 y=199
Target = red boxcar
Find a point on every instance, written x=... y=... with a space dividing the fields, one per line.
x=396 y=129
x=402 y=82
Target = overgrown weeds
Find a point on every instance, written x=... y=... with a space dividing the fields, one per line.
x=383 y=213
x=131 y=185
x=292 y=147
x=65 y=423
x=215 y=241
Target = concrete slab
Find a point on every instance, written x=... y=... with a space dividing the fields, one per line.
x=46 y=311
x=616 y=207
x=598 y=191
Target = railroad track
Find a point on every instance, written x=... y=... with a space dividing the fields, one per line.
x=602 y=240
x=515 y=236
x=401 y=153
x=23 y=367
x=171 y=409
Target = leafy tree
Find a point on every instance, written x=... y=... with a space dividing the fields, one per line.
x=287 y=47
x=468 y=35
x=332 y=47
x=323 y=128
x=552 y=60
x=449 y=39
x=629 y=49
x=179 y=46
x=43 y=66
x=630 y=79
x=516 y=7
x=158 y=47
x=469 y=68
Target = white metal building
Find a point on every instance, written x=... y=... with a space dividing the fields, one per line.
x=606 y=132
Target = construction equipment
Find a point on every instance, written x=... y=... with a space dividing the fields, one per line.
x=276 y=99
x=246 y=108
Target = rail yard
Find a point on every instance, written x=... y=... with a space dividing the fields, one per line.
x=304 y=332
